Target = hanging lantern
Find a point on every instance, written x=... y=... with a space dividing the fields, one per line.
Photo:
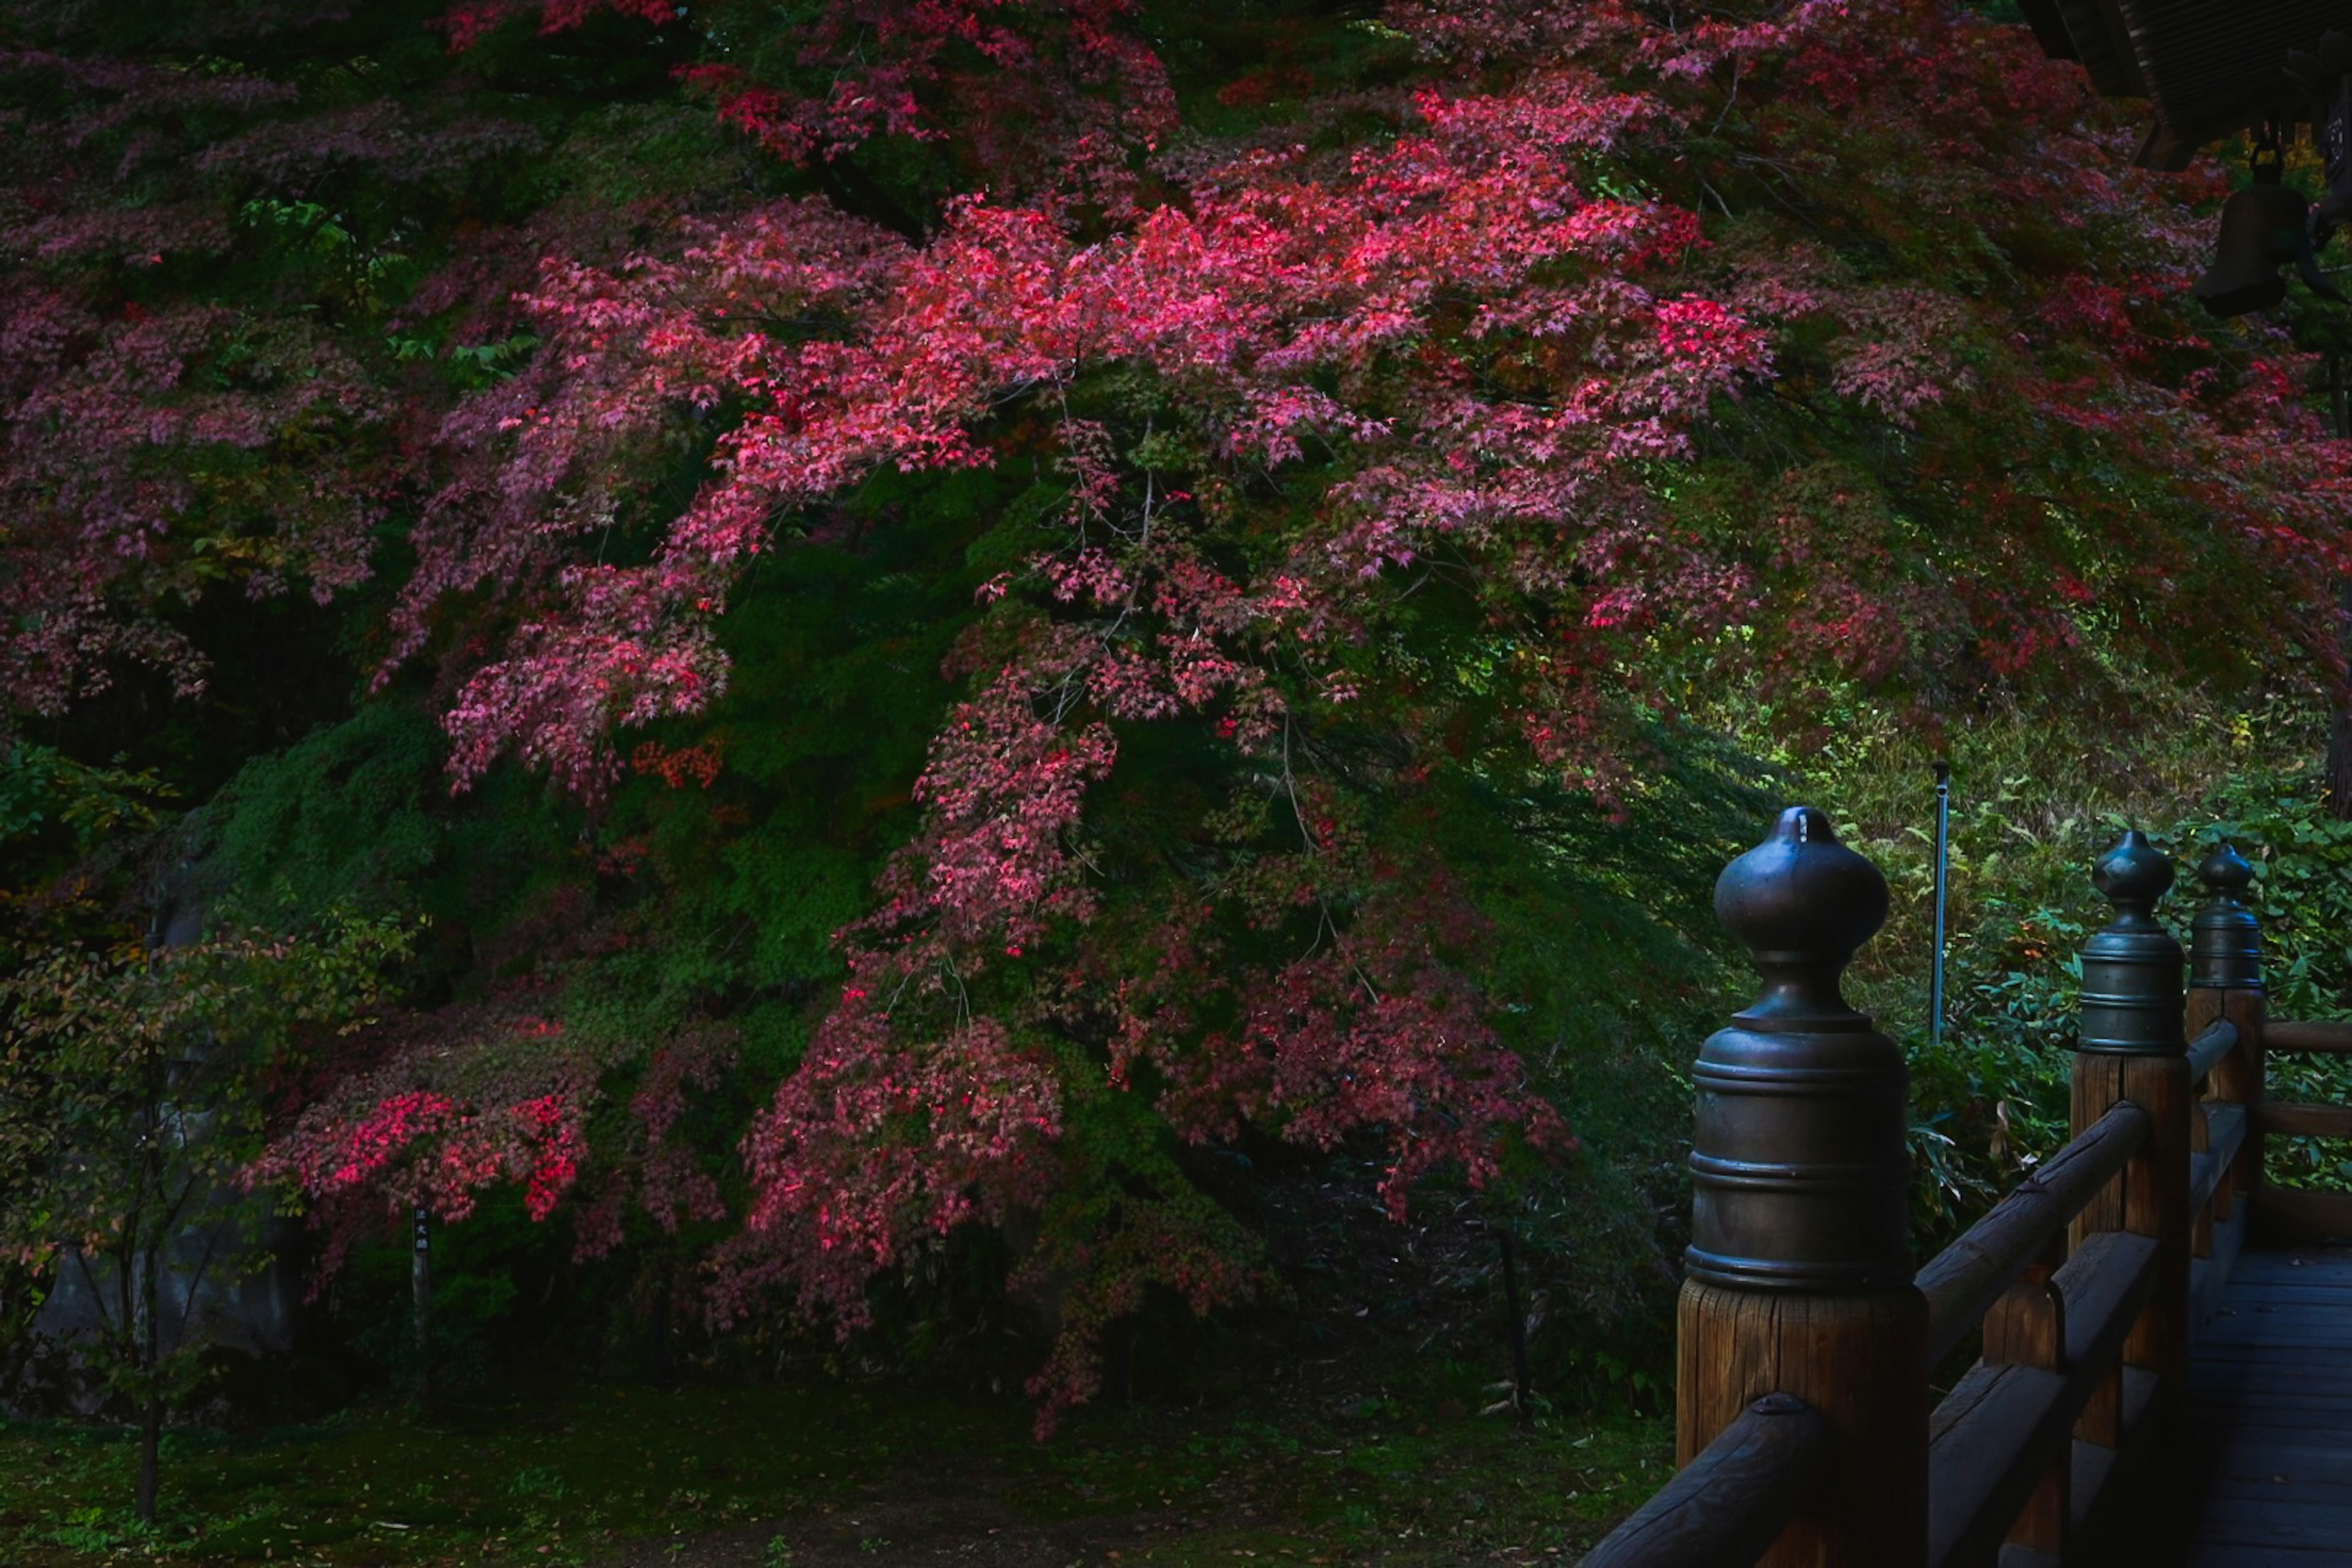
x=2264 y=226
x=2262 y=229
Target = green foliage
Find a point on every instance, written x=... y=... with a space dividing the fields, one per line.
x=2034 y=804
x=356 y=817
x=129 y=1090
x=41 y=788
x=2302 y=892
x=1607 y=970
x=342 y=817
x=480 y=1270
x=2303 y=889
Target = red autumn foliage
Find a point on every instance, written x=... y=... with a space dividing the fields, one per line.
x=1821 y=345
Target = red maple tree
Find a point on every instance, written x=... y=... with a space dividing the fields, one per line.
x=1459 y=419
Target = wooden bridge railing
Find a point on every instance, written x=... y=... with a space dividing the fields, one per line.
x=1807 y=1339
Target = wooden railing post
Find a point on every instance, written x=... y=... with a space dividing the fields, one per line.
x=2027 y=1327
x=2132 y=1047
x=1800 y=1277
x=2225 y=982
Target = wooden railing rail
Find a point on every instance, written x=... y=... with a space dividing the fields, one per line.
x=2332 y=1039
x=2225 y=1132
x=1967 y=1277
x=2206 y=1051
x=1724 y=1508
x=2303 y=1121
x=2225 y=987
x=2289 y=1215
x=2227 y=972
x=2087 y=1282
x=2001 y=1461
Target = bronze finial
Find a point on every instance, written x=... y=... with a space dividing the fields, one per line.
x=1801 y=903
x=2225 y=950
x=2131 y=969
x=1801 y=1176
x=2133 y=876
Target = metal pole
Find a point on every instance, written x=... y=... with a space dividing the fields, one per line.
x=1943 y=886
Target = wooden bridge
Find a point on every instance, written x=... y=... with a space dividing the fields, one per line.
x=2146 y=1352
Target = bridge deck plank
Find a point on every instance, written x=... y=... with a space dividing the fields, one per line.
x=2270 y=1394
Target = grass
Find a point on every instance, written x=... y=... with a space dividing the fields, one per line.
x=833 y=1473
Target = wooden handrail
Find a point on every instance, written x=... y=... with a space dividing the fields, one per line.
x=1726 y=1507
x=2303 y=1121
x=2334 y=1039
x=2225 y=1131
x=2206 y=1051
x=2307 y=1216
x=2003 y=1424
x=1962 y=1281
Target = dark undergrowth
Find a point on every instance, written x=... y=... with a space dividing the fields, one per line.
x=840 y=1472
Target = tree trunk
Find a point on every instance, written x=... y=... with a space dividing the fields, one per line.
x=1519 y=1393
x=151 y=1409
x=151 y=1442
x=2338 y=785
x=1120 y=1382
x=661 y=1327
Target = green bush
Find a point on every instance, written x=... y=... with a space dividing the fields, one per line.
x=2035 y=805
